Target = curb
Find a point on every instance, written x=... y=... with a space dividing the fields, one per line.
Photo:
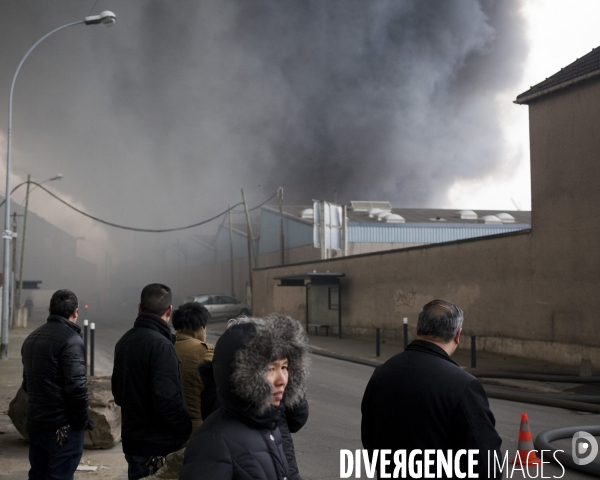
x=346 y=358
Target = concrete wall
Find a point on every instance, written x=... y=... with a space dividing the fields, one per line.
x=490 y=278
x=565 y=152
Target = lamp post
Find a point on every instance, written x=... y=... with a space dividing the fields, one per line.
x=105 y=18
x=20 y=289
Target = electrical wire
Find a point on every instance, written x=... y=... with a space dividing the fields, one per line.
x=96 y=3
x=135 y=229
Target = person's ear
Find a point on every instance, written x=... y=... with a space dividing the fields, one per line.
x=457 y=336
x=139 y=308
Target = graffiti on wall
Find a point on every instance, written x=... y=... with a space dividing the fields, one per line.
x=405 y=297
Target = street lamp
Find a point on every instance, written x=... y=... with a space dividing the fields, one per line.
x=20 y=289
x=105 y=18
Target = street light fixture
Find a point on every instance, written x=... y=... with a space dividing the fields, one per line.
x=105 y=18
x=17 y=303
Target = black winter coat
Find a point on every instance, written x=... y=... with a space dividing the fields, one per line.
x=146 y=384
x=289 y=420
x=241 y=439
x=225 y=447
x=421 y=399
x=54 y=376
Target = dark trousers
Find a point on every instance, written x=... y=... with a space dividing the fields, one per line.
x=137 y=467
x=51 y=461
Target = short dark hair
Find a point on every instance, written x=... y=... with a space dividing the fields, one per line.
x=63 y=303
x=156 y=298
x=440 y=320
x=190 y=316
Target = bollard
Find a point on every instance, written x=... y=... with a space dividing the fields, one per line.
x=378 y=342
x=92 y=330
x=473 y=352
x=85 y=341
x=405 y=326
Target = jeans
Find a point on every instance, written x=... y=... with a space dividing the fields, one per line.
x=138 y=467
x=51 y=461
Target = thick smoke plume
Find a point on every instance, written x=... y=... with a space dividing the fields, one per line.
x=160 y=120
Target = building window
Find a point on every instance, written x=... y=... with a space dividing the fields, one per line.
x=334 y=298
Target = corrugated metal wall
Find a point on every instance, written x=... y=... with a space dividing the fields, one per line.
x=296 y=232
x=382 y=233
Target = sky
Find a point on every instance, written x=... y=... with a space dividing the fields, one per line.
x=557 y=33
x=160 y=120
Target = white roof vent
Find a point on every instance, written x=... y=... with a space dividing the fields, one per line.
x=395 y=218
x=307 y=213
x=506 y=217
x=374 y=211
x=383 y=215
x=365 y=206
x=467 y=215
x=491 y=220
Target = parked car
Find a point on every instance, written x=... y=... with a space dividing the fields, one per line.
x=220 y=306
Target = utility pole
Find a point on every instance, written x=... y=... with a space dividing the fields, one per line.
x=20 y=289
x=251 y=237
x=323 y=233
x=281 y=234
x=13 y=313
x=231 y=253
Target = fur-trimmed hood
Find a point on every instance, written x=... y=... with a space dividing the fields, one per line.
x=241 y=360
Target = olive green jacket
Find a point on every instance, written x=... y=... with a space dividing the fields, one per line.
x=192 y=350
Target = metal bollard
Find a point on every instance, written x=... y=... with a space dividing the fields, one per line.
x=85 y=341
x=92 y=330
x=378 y=342
x=405 y=326
x=473 y=352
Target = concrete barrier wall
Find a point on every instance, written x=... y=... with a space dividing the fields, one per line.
x=490 y=278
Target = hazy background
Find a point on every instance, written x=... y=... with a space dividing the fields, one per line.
x=160 y=120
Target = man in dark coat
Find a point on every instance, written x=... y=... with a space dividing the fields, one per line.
x=421 y=399
x=146 y=384
x=54 y=377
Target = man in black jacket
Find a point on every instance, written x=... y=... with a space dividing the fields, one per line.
x=421 y=400
x=146 y=384
x=54 y=377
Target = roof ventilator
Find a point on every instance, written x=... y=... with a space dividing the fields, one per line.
x=506 y=217
x=395 y=218
x=491 y=220
x=467 y=215
x=307 y=213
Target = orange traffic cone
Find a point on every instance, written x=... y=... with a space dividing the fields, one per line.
x=526 y=454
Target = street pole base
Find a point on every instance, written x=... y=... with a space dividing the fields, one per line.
x=4 y=351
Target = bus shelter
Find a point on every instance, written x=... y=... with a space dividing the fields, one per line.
x=323 y=299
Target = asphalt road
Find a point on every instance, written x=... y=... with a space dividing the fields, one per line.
x=335 y=391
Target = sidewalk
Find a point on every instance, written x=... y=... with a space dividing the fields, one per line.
x=14 y=450
x=364 y=349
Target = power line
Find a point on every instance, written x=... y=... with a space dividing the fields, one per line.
x=135 y=229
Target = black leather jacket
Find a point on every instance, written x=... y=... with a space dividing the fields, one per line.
x=54 y=376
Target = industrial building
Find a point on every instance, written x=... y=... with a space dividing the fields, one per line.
x=531 y=292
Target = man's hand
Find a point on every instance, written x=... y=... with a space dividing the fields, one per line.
x=89 y=425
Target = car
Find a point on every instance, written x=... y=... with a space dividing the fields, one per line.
x=220 y=306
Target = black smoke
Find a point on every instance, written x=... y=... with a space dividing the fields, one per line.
x=160 y=120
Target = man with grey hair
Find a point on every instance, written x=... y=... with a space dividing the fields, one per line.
x=421 y=400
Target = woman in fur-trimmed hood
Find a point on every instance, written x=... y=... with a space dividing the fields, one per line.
x=258 y=365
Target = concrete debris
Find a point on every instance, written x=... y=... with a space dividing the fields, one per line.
x=172 y=466
x=105 y=414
